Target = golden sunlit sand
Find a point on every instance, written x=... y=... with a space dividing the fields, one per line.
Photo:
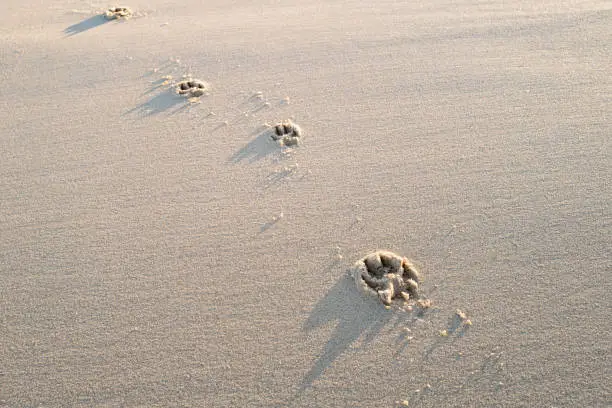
x=159 y=248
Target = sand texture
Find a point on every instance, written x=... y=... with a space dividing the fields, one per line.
x=163 y=250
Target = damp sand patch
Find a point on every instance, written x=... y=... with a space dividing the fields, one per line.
x=388 y=276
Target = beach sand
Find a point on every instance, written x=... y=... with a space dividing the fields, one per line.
x=157 y=252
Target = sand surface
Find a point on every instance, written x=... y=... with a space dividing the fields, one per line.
x=157 y=253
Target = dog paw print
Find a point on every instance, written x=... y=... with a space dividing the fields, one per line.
x=191 y=88
x=287 y=133
x=117 y=13
x=388 y=276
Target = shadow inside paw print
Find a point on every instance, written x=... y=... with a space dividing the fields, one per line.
x=388 y=276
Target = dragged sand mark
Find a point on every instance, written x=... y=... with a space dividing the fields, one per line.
x=388 y=276
x=285 y=174
x=254 y=104
x=457 y=324
x=192 y=88
x=116 y=13
x=270 y=224
x=287 y=133
x=169 y=66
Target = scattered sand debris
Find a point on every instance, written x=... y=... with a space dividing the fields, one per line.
x=424 y=303
x=192 y=88
x=287 y=133
x=167 y=80
x=443 y=333
x=115 y=13
x=337 y=250
x=388 y=276
x=280 y=215
x=463 y=317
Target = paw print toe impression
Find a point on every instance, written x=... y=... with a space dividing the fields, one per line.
x=192 y=88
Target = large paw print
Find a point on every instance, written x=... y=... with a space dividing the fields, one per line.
x=388 y=276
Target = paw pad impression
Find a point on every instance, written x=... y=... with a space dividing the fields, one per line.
x=387 y=276
x=191 y=88
x=287 y=133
